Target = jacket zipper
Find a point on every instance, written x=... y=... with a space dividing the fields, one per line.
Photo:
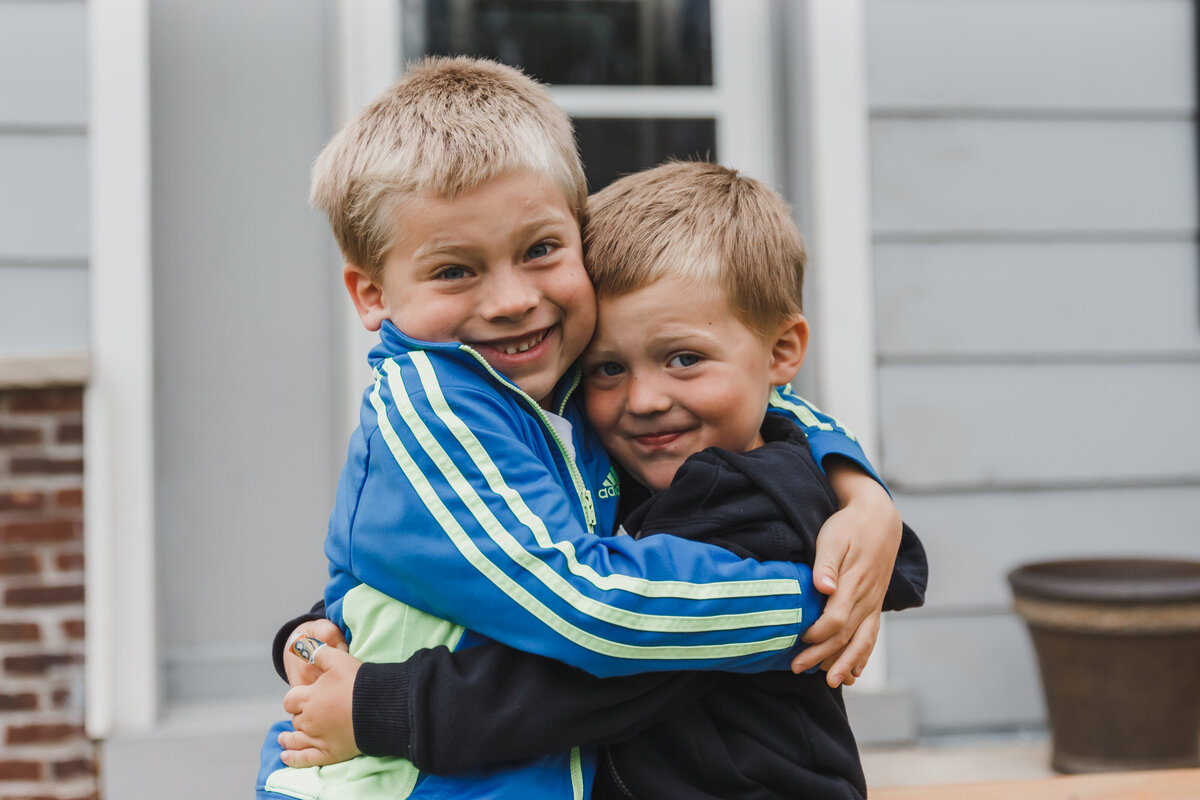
x=581 y=490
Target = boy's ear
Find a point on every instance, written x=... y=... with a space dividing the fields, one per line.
x=787 y=351
x=367 y=296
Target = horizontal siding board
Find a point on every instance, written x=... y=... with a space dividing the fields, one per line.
x=224 y=671
x=43 y=309
x=43 y=64
x=969 y=673
x=974 y=540
x=965 y=426
x=1054 y=55
x=1059 y=177
x=1052 y=298
x=43 y=197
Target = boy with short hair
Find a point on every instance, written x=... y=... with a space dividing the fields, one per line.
x=469 y=508
x=698 y=272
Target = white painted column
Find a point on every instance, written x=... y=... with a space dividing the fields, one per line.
x=745 y=81
x=122 y=674
x=840 y=229
x=369 y=60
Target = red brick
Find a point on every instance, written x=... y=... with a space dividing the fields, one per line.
x=23 y=596
x=9 y=435
x=70 y=433
x=61 y=698
x=69 y=498
x=74 y=628
x=20 y=564
x=43 y=734
x=68 y=562
x=46 y=466
x=75 y=768
x=26 y=701
x=20 y=771
x=39 y=663
x=41 y=531
x=20 y=632
x=21 y=501
x=42 y=400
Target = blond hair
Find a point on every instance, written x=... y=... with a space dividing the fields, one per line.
x=447 y=126
x=700 y=222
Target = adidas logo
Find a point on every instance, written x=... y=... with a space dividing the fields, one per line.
x=610 y=487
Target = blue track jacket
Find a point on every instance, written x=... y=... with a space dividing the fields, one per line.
x=463 y=513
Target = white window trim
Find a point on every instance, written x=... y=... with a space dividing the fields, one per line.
x=742 y=92
x=122 y=669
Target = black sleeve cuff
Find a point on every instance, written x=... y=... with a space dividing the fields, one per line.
x=381 y=710
x=281 y=636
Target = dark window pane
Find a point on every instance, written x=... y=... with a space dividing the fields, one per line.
x=589 y=42
x=615 y=147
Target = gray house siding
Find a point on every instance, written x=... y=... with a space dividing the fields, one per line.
x=246 y=295
x=43 y=177
x=1034 y=214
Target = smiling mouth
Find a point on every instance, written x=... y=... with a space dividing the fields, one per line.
x=512 y=347
x=658 y=438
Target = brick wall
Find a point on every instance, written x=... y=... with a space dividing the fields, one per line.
x=45 y=753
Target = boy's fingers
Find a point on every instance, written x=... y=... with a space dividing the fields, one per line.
x=322 y=630
x=829 y=637
x=296 y=740
x=308 y=757
x=295 y=699
x=832 y=623
x=307 y=648
x=299 y=671
x=832 y=548
x=825 y=578
x=812 y=656
x=845 y=667
x=328 y=657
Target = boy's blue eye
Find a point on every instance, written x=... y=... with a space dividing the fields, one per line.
x=539 y=250
x=609 y=369
x=684 y=360
x=452 y=274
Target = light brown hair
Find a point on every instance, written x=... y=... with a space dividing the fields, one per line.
x=447 y=126
x=699 y=222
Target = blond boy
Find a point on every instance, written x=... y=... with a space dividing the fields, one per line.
x=471 y=505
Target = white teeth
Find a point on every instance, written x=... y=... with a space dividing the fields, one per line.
x=521 y=347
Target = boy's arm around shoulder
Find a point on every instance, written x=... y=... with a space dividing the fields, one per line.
x=458 y=493
x=856 y=549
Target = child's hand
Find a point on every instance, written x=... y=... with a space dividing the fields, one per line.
x=322 y=713
x=856 y=551
x=299 y=671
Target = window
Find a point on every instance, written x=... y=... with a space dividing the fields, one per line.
x=644 y=80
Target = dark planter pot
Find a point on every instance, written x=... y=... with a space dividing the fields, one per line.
x=1118 y=645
